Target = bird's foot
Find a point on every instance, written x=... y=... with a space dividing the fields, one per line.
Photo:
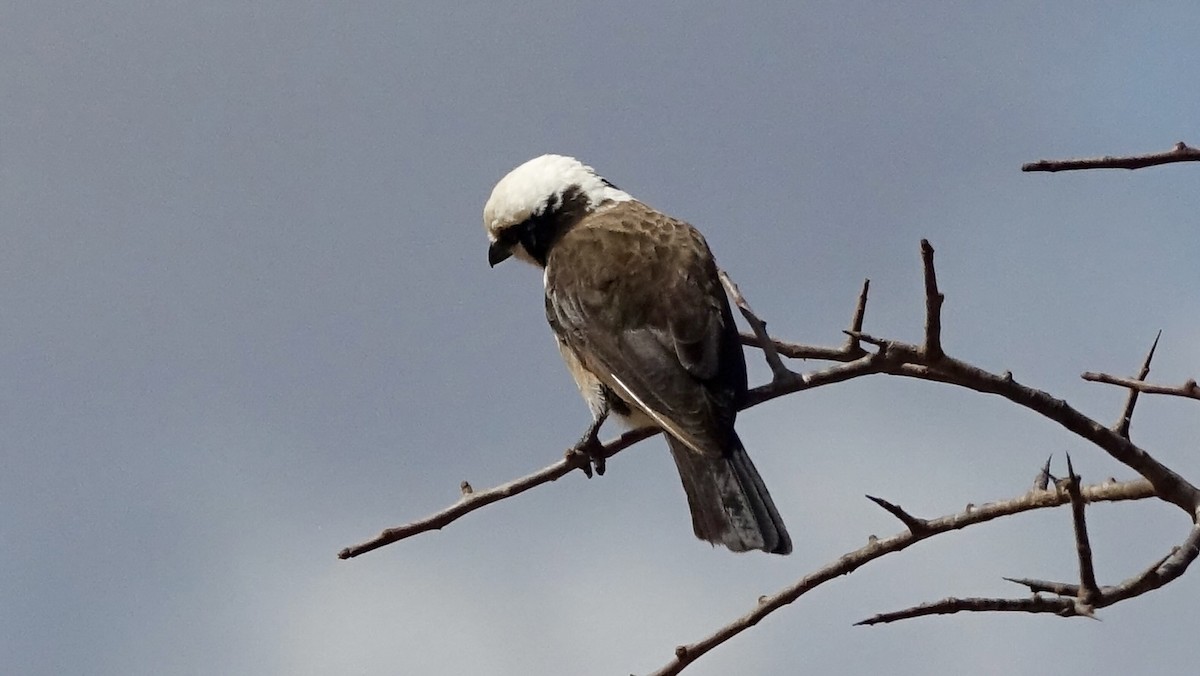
x=589 y=453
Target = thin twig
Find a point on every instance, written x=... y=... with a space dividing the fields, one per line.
x=1180 y=153
x=472 y=500
x=849 y=351
x=779 y=372
x=802 y=351
x=947 y=606
x=1189 y=389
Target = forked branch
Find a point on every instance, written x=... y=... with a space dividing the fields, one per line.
x=878 y=548
x=928 y=361
x=1066 y=602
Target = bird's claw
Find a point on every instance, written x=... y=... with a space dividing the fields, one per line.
x=592 y=452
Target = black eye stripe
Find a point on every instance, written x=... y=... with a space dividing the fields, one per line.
x=538 y=233
x=511 y=235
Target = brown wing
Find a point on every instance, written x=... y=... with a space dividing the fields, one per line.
x=635 y=294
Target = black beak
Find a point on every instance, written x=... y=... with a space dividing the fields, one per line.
x=498 y=252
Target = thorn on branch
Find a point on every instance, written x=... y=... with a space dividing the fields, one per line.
x=1042 y=481
x=1126 y=419
x=933 y=306
x=856 y=323
x=916 y=525
x=1089 y=591
x=1036 y=586
x=881 y=343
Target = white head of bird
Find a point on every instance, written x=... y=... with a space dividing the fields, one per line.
x=541 y=188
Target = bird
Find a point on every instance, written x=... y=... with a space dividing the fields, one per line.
x=640 y=315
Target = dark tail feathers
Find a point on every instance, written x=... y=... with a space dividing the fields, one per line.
x=730 y=504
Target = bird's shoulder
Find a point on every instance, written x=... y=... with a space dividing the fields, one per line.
x=634 y=254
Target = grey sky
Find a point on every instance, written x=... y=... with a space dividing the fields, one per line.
x=247 y=320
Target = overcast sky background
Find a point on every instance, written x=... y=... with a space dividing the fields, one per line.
x=246 y=319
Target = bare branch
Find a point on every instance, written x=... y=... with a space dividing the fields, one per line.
x=950 y=605
x=905 y=359
x=1123 y=423
x=1035 y=586
x=1108 y=492
x=1174 y=565
x=862 y=366
x=472 y=500
x=849 y=351
x=1170 y=486
x=1088 y=591
x=1151 y=578
x=1180 y=153
x=1189 y=389
x=802 y=351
